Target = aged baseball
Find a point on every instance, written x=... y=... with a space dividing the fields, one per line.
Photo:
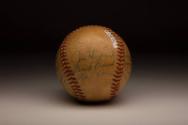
x=93 y=63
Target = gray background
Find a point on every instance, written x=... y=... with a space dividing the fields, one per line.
x=156 y=31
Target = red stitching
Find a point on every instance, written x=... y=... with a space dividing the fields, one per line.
x=117 y=79
x=121 y=59
x=64 y=64
x=115 y=84
x=121 y=55
x=73 y=82
x=120 y=48
x=69 y=73
x=115 y=87
x=66 y=67
x=64 y=60
x=117 y=75
x=75 y=86
x=72 y=78
x=119 y=68
x=78 y=91
x=120 y=64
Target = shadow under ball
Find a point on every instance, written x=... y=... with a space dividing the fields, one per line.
x=93 y=63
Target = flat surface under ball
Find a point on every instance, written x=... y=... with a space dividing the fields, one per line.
x=155 y=95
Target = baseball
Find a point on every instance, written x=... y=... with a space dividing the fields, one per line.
x=93 y=63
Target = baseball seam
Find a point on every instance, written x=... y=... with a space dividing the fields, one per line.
x=119 y=68
x=70 y=76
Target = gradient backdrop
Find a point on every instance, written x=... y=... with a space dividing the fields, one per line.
x=156 y=31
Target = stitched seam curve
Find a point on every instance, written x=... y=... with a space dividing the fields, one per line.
x=69 y=74
x=119 y=68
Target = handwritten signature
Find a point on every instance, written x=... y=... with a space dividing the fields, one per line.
x=94 y=61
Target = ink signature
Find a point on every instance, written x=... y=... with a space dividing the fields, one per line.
x=94 y=61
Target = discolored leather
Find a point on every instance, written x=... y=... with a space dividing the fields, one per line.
x=93 y=63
